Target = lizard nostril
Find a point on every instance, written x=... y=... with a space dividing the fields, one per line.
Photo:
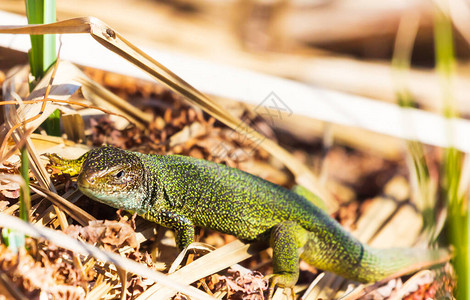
x=86 y=180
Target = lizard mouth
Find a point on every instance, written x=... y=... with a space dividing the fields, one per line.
x=110 y=197
x=85 y=186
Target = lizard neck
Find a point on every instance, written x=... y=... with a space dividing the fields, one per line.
x=152 y=183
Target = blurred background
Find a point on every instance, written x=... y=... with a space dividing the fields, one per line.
x=344 y=45
x=296 y=39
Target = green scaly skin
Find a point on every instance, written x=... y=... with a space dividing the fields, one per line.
x=182 y=192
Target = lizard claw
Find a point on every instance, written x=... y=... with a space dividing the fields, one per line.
x=64 y=165
x=54 y=159
x=276 y=280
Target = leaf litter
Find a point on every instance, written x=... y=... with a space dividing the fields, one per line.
x=244 y=285
x=50 y=275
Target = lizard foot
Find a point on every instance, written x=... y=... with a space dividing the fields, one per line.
x=64 y=165
x=286 y=281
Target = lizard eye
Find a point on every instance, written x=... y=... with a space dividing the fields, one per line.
x=119 y=174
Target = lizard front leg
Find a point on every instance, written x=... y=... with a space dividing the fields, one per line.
x=286 y=240
x=183 y=227
x=68 y=166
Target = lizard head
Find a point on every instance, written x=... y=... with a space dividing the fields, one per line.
x=114 y=177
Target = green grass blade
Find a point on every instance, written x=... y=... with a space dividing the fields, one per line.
x=52 y=124
x=43 y=51
x=457 y=223
x=25 y=200
x=43 y=47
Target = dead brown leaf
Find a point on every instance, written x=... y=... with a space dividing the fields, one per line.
x=245 y=285
x=10 y=189
x=111 y=234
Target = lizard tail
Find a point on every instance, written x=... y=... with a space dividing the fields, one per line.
x=379 y=264
x=362 y=263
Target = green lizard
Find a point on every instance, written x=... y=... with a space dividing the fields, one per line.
x=182 y=192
